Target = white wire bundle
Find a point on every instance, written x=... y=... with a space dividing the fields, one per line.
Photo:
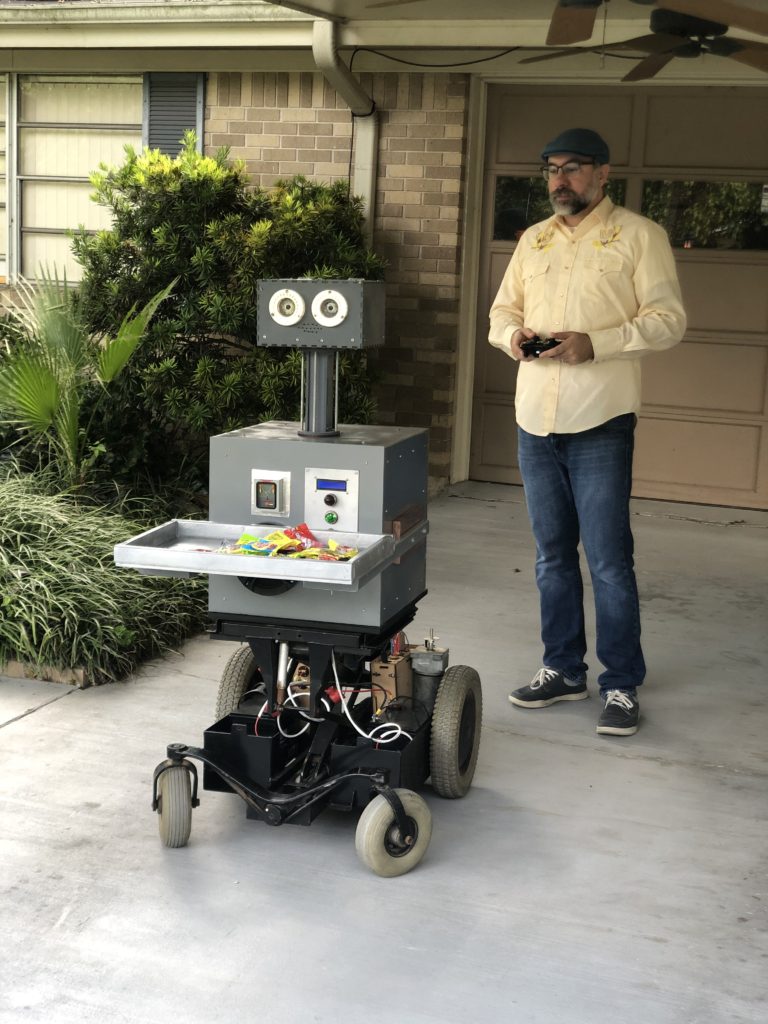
x=395 y=730
x=291 y=699
x=384 y=732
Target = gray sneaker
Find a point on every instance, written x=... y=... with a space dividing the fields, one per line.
x=547 y=687
x=620 y=715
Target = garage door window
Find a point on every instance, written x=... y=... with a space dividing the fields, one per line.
x=709 y=214
x=520 y=202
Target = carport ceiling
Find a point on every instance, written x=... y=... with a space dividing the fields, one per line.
x=521 y=29
x=747 y=15
x=662 y=30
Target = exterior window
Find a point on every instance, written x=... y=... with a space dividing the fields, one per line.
x=520 y=202
x=709 y=214
x=173 y=103
x=67 y=126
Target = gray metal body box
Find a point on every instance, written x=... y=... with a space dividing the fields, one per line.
x=374 y=478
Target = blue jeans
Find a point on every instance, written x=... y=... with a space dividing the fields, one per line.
x=577 y=486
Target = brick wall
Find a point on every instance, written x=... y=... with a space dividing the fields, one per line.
x=281 y=124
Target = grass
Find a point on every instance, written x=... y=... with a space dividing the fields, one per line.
x=64 y=604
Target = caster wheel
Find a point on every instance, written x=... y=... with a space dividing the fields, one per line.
x=241 y=674
x=378 y=841
x=455 y=738
x=174 y=795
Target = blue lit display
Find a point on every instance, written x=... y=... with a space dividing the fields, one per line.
x=331 y=485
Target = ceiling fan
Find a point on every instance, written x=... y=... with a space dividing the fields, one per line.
x=573 y=21
x=679 y=35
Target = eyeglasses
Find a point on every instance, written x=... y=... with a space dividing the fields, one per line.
x=572 y=167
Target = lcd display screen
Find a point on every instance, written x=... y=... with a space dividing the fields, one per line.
x=331 y=485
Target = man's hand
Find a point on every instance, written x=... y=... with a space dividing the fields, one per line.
x=520 y=335
x=573 y=348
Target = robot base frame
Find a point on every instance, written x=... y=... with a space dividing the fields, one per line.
x=326 y=757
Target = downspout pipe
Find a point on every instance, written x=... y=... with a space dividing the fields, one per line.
x=363 y=108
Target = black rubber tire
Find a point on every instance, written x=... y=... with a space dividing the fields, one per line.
x=241 y=673
x=377 y=836
x=174 y=794
x=455 y=738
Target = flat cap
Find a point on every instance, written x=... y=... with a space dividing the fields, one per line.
x=580 y=142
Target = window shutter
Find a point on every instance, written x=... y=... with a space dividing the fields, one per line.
x=173 y=104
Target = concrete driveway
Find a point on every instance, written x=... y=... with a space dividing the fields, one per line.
x=583 y=879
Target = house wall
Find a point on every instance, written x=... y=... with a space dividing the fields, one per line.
x=288 y=123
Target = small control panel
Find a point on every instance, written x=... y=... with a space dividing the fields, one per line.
x=331 y=499
x=270 y=492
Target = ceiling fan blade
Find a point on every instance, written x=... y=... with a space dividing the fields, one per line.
x=648 y=67
x=656 y=42
x=726 y=12
x=754 y=56
x=572 y=23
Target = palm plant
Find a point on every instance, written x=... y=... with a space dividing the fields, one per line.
x=46 y=371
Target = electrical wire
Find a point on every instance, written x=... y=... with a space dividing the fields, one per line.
x=413 y=64
x=304 y=714
x=250 y=693
x=388 y=737
x=391 y=705
x=303 y=711
x=393 y=730
x=262 y=709
x=289 y=735
x=397 y=730
x=421 y=64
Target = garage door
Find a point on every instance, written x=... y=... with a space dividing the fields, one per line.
x=693 y=160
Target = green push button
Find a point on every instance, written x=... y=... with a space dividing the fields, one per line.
x=331 y=517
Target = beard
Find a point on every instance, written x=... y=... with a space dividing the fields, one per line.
x=567 y=203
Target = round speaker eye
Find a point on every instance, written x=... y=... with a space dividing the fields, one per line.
x=329 y=308
x=286 y=307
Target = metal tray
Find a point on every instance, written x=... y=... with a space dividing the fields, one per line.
x=186 y=547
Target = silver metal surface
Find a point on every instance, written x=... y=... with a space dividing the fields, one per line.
x=319 y=393
x=191 y=546
x=390 y=469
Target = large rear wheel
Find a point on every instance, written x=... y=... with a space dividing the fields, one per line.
x=455 y=739
x=241 y=674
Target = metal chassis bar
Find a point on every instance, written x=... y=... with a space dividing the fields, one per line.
x=275 y=808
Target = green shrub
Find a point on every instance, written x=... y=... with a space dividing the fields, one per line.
x=196 y=218
x=53 y=364
x=63 y=603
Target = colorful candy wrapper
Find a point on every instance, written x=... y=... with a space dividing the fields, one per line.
x=304 y=535
x=292 y=542
x=340 y=551
x=249 y=545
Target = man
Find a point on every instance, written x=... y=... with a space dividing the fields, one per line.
x=601 y=281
